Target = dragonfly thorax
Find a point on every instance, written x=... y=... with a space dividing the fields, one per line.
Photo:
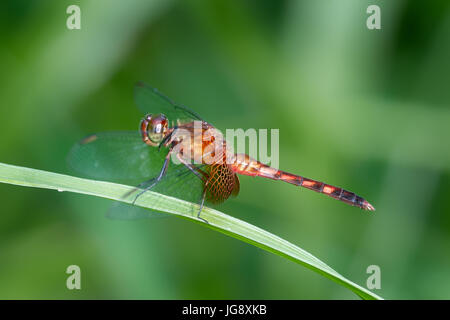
x=154 y=128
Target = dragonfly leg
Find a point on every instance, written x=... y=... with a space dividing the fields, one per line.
x=155 y=180
x=201 y=205
x=203 y=176
x=203 y=201
x=195 y=170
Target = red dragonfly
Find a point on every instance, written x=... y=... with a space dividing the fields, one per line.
x=169 y=131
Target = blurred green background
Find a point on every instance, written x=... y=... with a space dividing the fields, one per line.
x=367 y=110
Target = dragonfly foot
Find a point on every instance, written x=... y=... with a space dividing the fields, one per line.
x=198 y=217
x=204 y=220
x=135 y=198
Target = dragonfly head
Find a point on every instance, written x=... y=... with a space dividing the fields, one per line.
x=154 y=128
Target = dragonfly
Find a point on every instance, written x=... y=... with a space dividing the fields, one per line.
x=173 y=131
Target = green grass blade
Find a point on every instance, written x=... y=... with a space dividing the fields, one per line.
x=217 y=220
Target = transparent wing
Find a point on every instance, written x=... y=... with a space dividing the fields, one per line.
x=150 y=100
x=116 y=156
x=179 y=182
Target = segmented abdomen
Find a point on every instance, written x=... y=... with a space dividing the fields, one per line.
x=250 y=167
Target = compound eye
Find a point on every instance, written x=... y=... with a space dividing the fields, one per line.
x=157 y=128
